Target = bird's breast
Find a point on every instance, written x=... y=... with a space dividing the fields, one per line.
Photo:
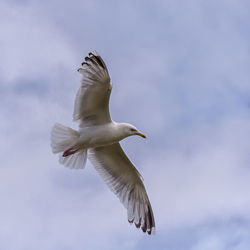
x=98 y=136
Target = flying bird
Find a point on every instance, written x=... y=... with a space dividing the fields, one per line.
x=98 y=140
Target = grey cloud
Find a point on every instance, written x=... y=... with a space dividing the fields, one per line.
x=180 y=74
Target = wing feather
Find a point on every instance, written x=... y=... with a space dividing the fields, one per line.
x=125 y=181
x=92 y=99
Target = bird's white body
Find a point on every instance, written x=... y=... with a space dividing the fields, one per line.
x=98 y=140
x=101 y=135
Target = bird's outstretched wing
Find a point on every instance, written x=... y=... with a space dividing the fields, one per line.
x=92 y=99
x=125 y=181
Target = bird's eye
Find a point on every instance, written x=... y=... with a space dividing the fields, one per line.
x=132 y=130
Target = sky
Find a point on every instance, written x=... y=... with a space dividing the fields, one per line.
x=180 y=73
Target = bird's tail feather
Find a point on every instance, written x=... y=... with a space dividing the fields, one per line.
x=62 y=140
x=76 y=160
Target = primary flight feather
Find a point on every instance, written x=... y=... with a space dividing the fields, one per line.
x=98 y=140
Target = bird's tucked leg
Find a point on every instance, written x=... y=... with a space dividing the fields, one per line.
x=69 y=151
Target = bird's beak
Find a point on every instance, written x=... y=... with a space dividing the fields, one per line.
x=142 y=135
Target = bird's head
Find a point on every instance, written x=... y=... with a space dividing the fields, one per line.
x=131 y=130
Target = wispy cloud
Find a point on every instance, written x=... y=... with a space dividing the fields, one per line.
x=180 y=74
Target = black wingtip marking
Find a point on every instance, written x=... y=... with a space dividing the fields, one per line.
x=151 y=220
x=150 y=217
x=92 y=60
x=99 y=61
x=138 y=224
x=149 y=224
x=130 y=221
x=95 y=58
x=85 y=63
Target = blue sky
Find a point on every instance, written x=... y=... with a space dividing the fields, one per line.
x=180 y=72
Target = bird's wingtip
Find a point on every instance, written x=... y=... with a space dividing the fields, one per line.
x=94 y=52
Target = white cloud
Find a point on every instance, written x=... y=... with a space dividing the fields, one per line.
x=202 y=177
x=31 y=47
x=189 y=79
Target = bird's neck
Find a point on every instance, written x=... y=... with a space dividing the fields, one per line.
x=119 y=130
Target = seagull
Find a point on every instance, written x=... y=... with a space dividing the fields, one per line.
x=98 y=140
